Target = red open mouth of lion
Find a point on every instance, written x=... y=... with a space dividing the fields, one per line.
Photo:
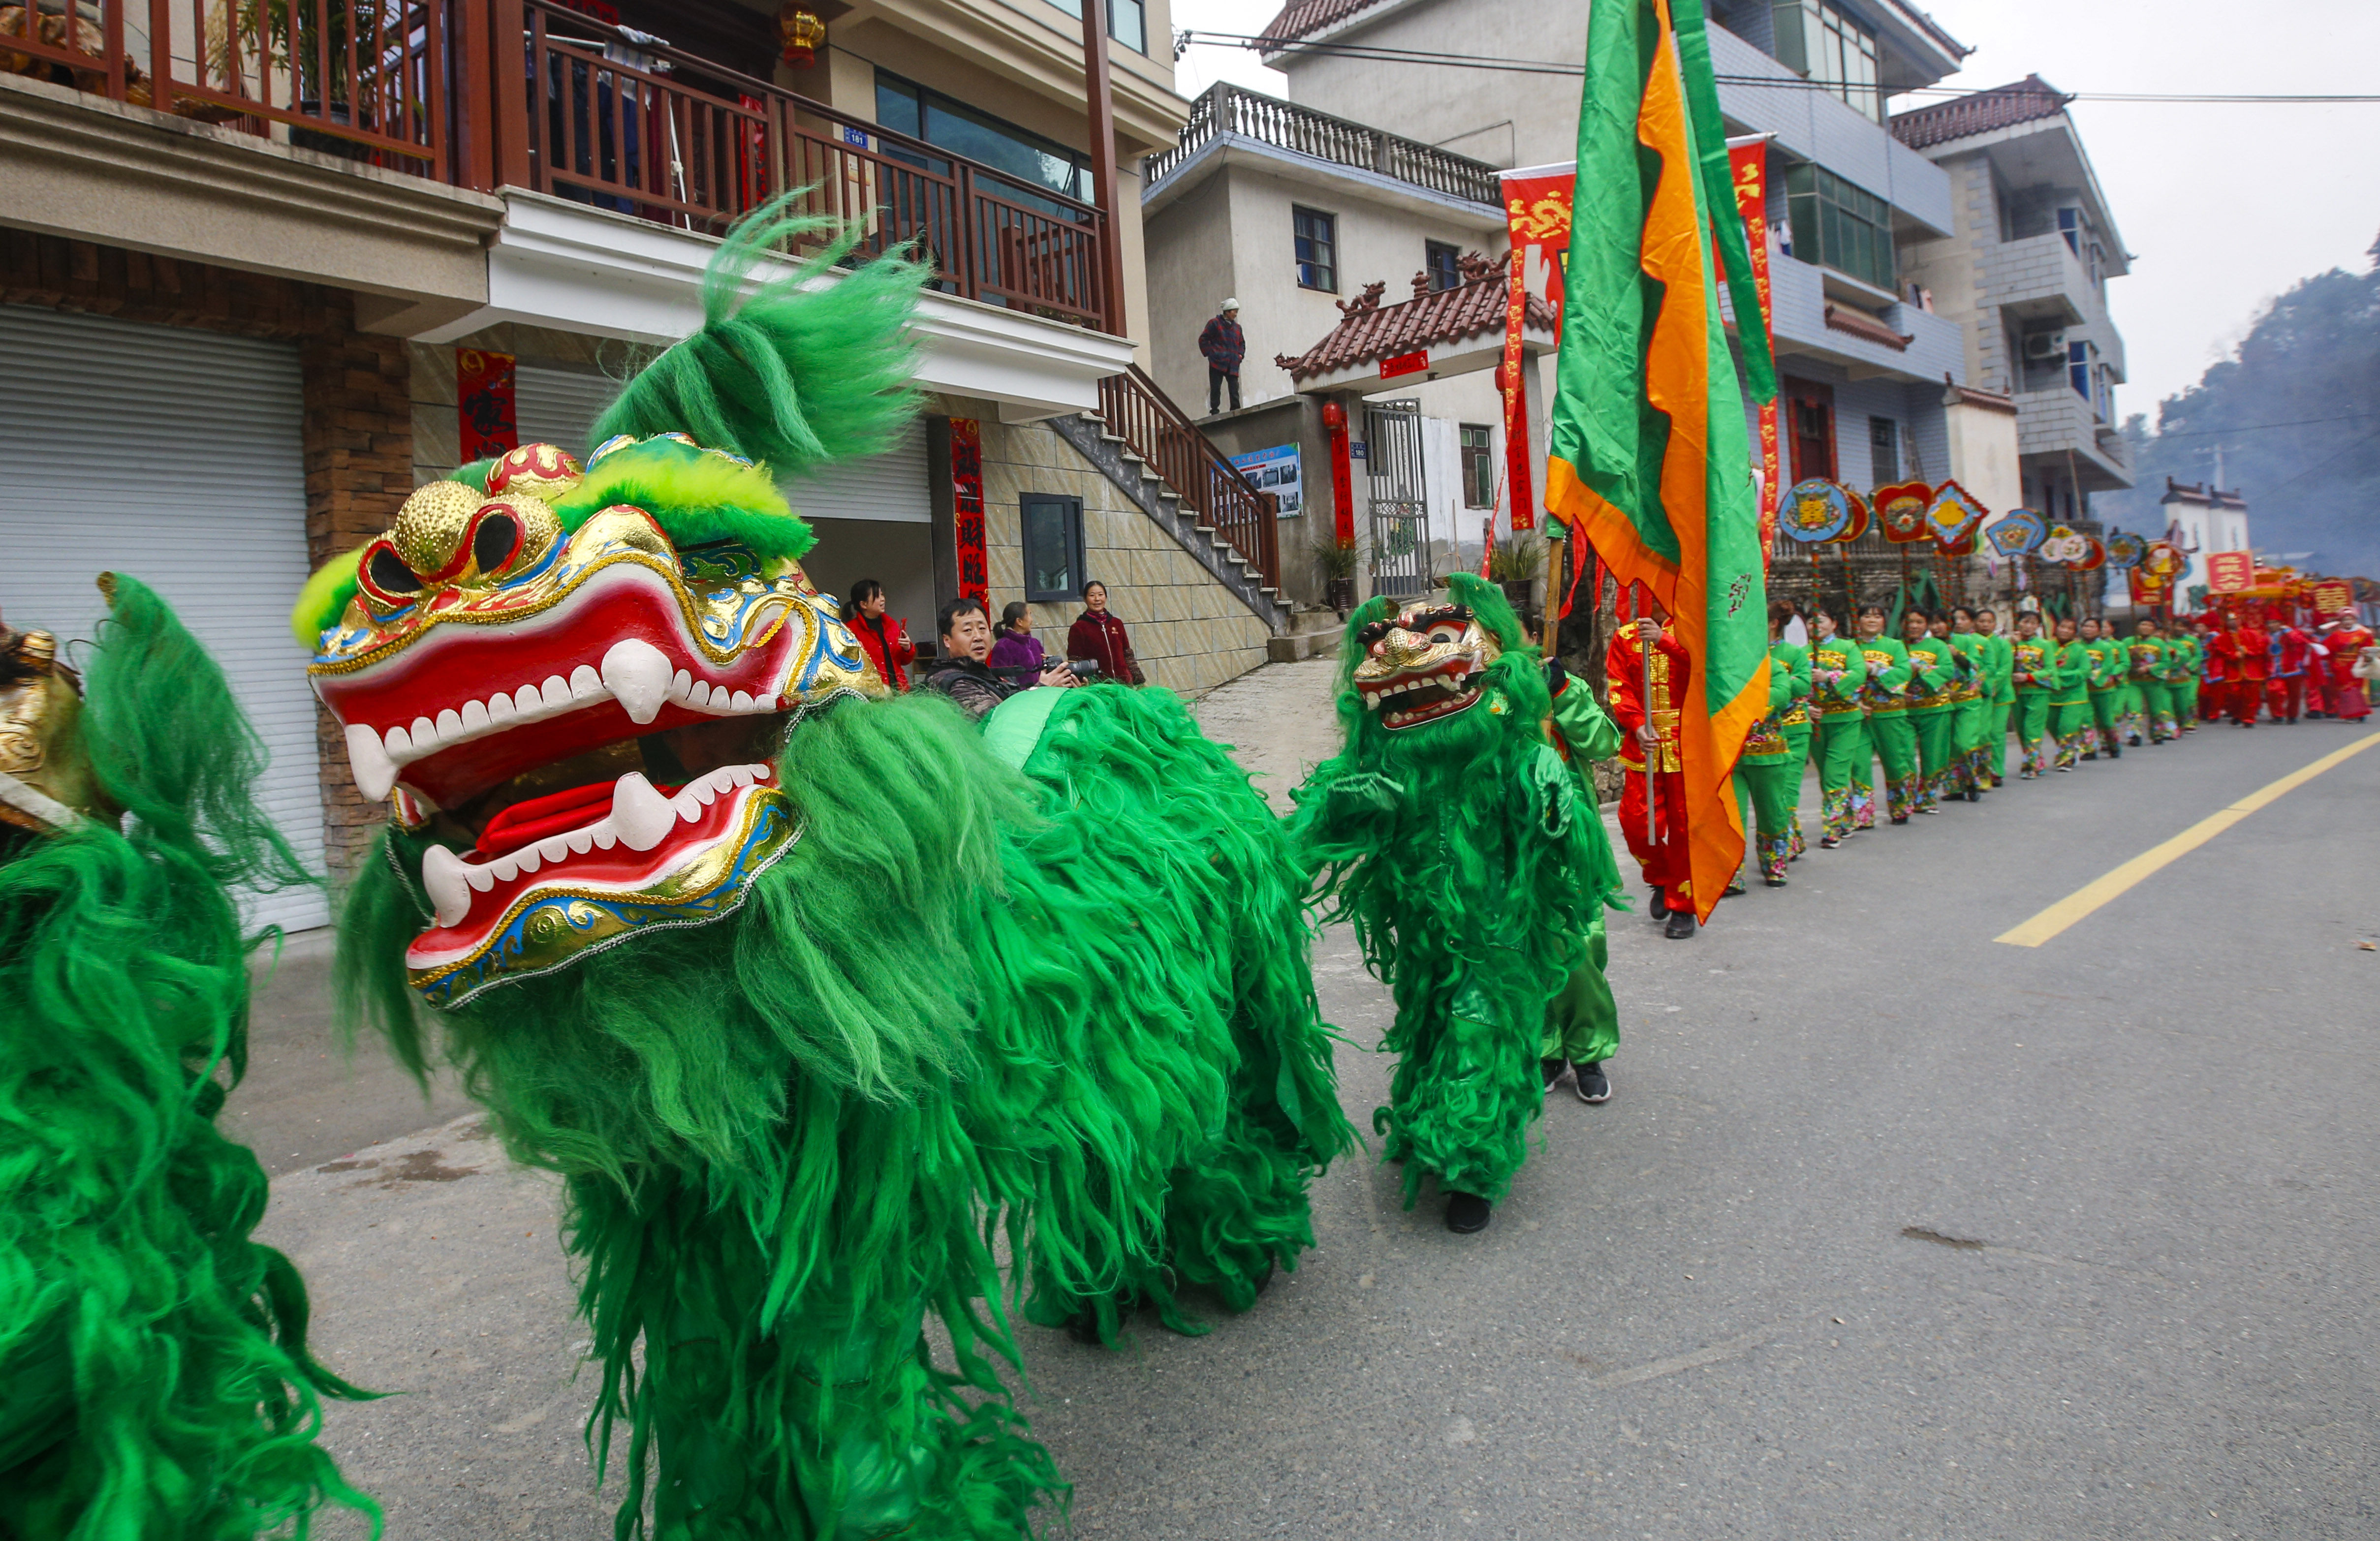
x=1409 y=699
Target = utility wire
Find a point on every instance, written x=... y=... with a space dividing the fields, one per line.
x=2255 y=428
x=1537 y=66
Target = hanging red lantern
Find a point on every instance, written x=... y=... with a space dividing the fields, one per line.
x=800 y=34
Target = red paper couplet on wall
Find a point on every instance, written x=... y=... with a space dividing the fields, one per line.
x=966 y=508
x=1404 y=363
x=483 y=404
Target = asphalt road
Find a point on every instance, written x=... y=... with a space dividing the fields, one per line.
x=1890 y=1230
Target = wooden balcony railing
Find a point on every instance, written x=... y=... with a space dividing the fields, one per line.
x=1162 y=434
x=529 y=94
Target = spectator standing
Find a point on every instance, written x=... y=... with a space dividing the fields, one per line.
x=1225 y=346
x=886 y=642
x=966 y=678
x=1014 y=648
x=1097 y=635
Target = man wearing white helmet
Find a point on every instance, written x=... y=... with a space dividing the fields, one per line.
x=1224 y=348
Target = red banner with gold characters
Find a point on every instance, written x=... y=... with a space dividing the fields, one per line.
x=1748 y=159
x=966 y=508
x=1537 y=208
x=2331 y=596
x=483 y=403
x=2230 y=572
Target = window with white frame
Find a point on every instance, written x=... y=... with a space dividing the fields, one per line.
x=1820 y=42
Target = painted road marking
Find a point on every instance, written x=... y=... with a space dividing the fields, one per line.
x=2089 y=897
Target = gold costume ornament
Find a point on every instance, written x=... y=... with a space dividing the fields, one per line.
x=45 y=783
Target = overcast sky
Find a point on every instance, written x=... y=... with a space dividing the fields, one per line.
x=2223 y=206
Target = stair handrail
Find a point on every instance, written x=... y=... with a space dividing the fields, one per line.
x=1137 y=410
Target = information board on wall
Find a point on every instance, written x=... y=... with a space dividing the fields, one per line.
x=1275 y=471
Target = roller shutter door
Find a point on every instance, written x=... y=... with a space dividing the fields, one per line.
x=558 y=406
x=174 y=457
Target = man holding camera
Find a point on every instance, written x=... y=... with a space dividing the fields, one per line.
x=963 y=675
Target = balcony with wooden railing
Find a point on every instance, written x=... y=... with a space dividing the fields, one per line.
x=532 y=95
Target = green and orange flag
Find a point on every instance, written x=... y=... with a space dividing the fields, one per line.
x=1650 y=454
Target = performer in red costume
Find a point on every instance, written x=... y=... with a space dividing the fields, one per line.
x=2293 y=655
x=2216 y=650
x=1648 y=725
x=2255 y=668
x=2346 y=696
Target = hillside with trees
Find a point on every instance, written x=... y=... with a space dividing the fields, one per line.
x=2296 y=409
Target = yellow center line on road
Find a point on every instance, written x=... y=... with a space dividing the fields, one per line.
x=2089 y=897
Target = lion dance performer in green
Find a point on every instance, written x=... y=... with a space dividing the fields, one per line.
x=154 y=1379
x=1451 y=833
x=811 y=993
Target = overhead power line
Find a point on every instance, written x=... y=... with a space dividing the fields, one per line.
x=2258 y=428
x=1540 y=67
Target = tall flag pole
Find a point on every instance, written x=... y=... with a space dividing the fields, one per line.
x=1651 y=459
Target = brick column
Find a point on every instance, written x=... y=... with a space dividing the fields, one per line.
x=359 y=448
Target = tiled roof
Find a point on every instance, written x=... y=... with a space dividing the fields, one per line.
x=2026 y=101
x=2198 y=492
x=1369 y=331
x=1956 y=395
x=1859 y=323
x=1300 y=16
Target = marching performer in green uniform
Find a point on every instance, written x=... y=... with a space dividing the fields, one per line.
x=1888 y=712
x=1837 y=674
x=2070 y=703
x=2185 y=659
x=1932 y=675
x=1997 y=656
x=2106 y=683
x=2033 y=672
x=1770 y=770
x=1971 y=709
x=1583 y=1021
x=2147 y=667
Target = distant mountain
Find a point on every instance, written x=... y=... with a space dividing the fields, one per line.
x=2297 y=411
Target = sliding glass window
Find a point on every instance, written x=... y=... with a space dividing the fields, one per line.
x=1817 y=41
x=908 y=108
x=1127 y=21
x=1840 y=225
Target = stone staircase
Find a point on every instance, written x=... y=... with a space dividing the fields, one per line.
x=1097 y=440
x=1313 y=632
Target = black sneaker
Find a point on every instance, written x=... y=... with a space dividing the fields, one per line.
x=1592 y=1085
x=2093 y=755
x=2115 y=751
x=1681 y=925
x=1552 y=1071
x=1466 y=1213
x=1661 y=899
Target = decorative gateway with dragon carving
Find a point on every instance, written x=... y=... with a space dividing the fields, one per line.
x=811 y=993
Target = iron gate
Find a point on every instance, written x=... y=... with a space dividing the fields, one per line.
x=1400 y=502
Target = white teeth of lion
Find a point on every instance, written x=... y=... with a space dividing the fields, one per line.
x=368 y=761
x=641 y=815
x=1371 y=700
x=445 y=881
x=638 y=675
x=554 y=847
x=585 y=683
x=474 y=717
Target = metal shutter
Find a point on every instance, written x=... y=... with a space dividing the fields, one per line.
x=174 y=457
x=556 y=407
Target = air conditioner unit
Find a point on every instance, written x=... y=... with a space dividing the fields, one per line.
x=2041 y=346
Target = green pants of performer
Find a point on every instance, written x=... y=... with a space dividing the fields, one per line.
x=1971 y=733
x=2032 y=738
x=1803 y=744
x=1933 y=762
x=1843 y=755
x=1774 y=789
x=2187 y=703
x=2107 y=705
x=1997 y=739
x=2157 y=708
x=1582 y=1022
x=2069 y=723
x=1896 y=746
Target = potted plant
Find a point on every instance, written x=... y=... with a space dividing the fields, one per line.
x=1515 y=564
x=1337 y=564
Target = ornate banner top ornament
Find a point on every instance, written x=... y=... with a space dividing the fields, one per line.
x=2019 y=531
x=1953 y=516
x=1901 y=511
x=2124 y=550
x=1816 y=510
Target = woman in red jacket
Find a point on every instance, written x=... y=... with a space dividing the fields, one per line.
x=1100 y=637
x=886 y=643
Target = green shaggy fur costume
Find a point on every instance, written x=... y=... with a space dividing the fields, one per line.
x=154 y=1380
x=1063 y=1007
x=1466 y=862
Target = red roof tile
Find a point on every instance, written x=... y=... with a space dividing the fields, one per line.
x=1369 y=330
x=1300 y=16
x=2025 y=101
x=1859 y=323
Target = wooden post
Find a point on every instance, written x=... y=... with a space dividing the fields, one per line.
x=1103 y=172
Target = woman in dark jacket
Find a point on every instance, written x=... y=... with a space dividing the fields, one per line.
x=1100 y=637
x=886 y=642
x=1013 y=646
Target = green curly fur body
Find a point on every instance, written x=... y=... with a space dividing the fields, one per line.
x=154 y=1379
x=1456 y=852
x=1068 y=1007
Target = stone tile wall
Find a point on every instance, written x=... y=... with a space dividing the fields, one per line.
x=1188 y=631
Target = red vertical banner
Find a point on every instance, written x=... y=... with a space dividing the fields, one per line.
x=966 y=508
x=1342 y=475
x=1748 y=158
x=483 y=404
x=1536 y=212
